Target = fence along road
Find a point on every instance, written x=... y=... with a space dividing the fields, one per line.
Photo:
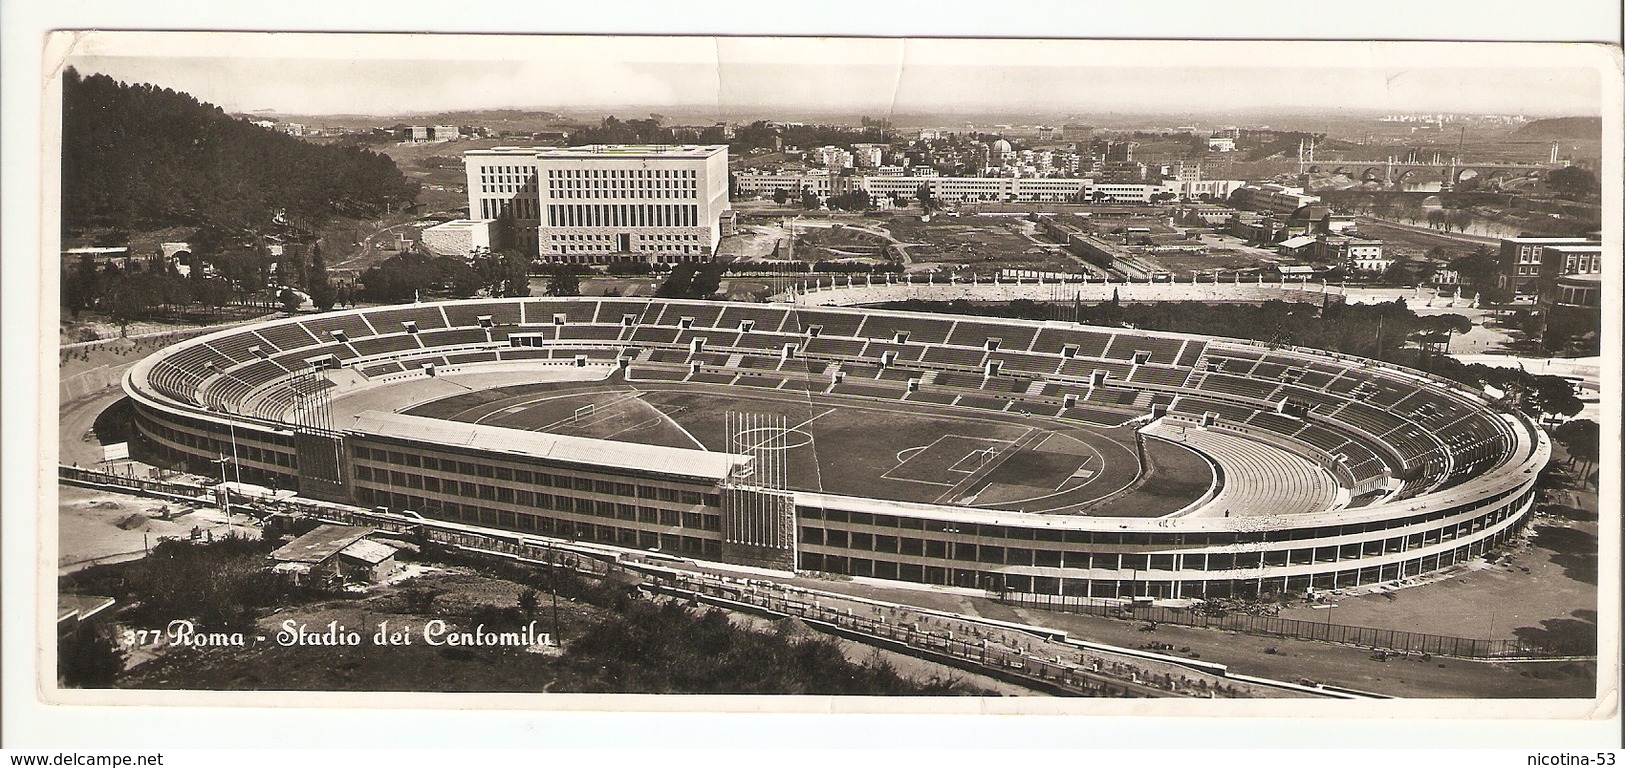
x=1037 y=657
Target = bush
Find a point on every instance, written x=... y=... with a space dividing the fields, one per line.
x=88 y=657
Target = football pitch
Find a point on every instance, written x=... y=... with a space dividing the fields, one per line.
x=859 y=447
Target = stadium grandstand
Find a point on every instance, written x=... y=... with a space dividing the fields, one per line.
x=1305 y=469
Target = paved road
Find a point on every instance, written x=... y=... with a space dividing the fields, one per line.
x=1460 y=237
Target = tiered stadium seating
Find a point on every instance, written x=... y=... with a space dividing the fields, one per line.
x=959 y=380
x=383 y=345
x=968 y=333
x=763 y=320
x=1238 y=386
x=1156 y=374
x=1026 y=363
x=704 y=315
x=963 y=358
x=352 y=325
x=645 y=334
x=920 y=330
x=831 y=324
x=823 y=346
x=1410 y=423
x=285 y=337
x=453 y=338
x=590 y=332
x=535 y=313
x=390 y=320
x=1191 y=353
x=612 y=312
x=877 y=350
x=670 y=356
x=1260 y=479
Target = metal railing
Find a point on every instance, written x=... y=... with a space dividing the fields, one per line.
x=1376 y=638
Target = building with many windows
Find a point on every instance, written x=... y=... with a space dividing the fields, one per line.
x=1526 y=262
x=976 y=189
x=600 y=203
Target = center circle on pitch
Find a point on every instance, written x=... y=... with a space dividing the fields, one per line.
x=774 y=438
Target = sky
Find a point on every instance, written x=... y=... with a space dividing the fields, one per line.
x=387 y=75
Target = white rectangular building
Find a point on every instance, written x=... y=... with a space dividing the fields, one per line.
x=502 y=185
x=459 y=237
x=601 y=203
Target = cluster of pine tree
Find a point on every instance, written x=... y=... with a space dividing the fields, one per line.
x=137 y=156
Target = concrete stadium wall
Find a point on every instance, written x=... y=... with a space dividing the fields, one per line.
x=860 y=295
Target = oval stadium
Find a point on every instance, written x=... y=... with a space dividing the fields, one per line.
x=1037 y=457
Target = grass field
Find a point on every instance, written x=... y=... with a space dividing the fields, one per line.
x=855 y=447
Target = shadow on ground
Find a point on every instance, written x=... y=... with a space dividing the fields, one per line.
x=1576 y=636
x=1565 y=512
x=1574 y=550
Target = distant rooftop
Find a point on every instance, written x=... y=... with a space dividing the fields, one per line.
x=635 y=150
x=461 y=224
x=1579 y=247
x=80 y=607
x=320 y=544
x=609 y=150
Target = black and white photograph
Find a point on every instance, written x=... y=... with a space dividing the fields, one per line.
x=819 y=374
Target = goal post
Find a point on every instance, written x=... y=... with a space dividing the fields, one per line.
x=584 y=411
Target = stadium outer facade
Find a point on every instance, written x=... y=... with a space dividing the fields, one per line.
x=1450 y=477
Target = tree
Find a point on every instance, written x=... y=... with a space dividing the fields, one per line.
x=321 y=287
x=856 y=200
x=505 y=273
x=1436 y=330
x=139 y=156
x=528 y=602
x=562 y=280
x=1581 y=439
x=781 y=196
x=1573 y=182
x=408 y=276
x=1480 y=268
x=679 y=284
x=1460 y=218
x=1553 y=395
x=923 y=194
x=88 y=657
x=290 y=300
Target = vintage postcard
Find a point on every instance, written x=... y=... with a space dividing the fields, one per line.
x=723 y=374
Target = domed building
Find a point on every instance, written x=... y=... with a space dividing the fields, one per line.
x=1003 y=152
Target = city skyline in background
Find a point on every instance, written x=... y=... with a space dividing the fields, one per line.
x=929 y=79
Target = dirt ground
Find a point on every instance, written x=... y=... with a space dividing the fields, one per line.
x=96 y=527
x=908 y=666
x=1520 y=595
x=1277 y=658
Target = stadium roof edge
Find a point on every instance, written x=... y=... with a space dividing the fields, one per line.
x=659 y=459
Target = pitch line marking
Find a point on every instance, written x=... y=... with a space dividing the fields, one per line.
x=669 y=419
x=813 y=419
x=916 y=450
